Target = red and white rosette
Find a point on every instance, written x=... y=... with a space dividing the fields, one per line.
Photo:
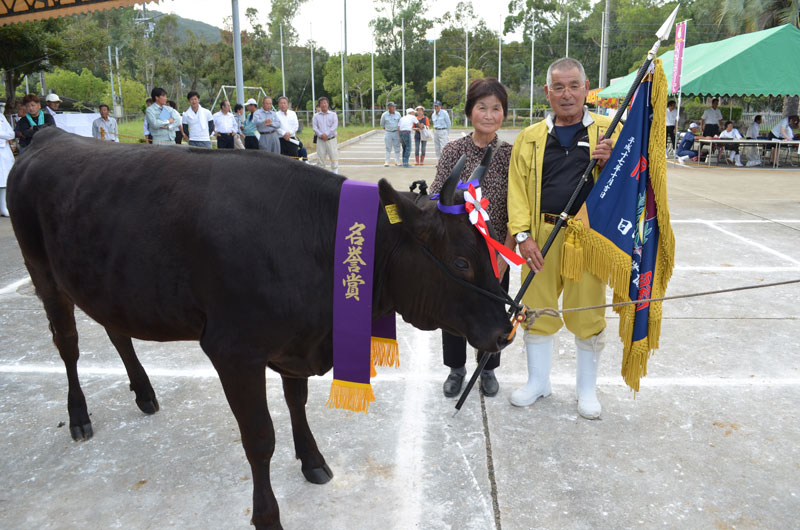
x=476 y=206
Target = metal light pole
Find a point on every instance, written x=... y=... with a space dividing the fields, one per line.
x=283 y=72
x=372 y=79
x=346 y=103
x=567 y=54
x=403 y=61
x=434 y=69
x=237 y=52
x=500 y=57
x=111 y=76
x=606 y=33
x=313 y=92
x=466 y=74
x=341 y=55
x=533 y=47
x=119 y=84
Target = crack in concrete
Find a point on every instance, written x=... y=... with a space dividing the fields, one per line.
x=490 y=464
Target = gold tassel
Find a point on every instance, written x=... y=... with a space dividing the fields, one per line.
x=385 y=352
x=572 y=257
x=350 y=396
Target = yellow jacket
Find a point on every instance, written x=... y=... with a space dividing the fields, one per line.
x=525 y=170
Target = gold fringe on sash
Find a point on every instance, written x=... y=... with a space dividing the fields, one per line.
x=385 y=352
x=350 y=396
x=585 y=248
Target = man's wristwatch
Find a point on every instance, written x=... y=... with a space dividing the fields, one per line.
x=522 y=236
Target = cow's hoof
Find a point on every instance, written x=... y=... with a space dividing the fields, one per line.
x=318 y=475
x=149 y=406
x=81 y=432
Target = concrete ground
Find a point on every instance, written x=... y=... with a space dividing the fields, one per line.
x=710 y=441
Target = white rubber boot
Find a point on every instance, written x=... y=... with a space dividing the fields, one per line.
x=539 y=349
x=588 y=357
x=738 y=160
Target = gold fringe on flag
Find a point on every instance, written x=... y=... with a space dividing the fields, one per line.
x=385 y=352
x=350 y=396
x=585 y=248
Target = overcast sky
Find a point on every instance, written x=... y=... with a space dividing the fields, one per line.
x=324 y=17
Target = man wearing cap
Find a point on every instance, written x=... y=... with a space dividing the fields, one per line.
x=684 y=150
x=198 y=123
x=441 y=127
x=51 y=104
x=250 y=127
x=404 y=127
x=325 y=124
x=391 y=139
x=225 y=127
x=266 y=119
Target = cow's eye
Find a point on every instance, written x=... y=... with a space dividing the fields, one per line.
x=461 y=264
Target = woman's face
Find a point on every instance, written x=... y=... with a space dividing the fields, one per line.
x=729 y=127
x=487 y=115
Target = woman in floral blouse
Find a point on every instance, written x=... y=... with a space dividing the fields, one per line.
x=486 y=106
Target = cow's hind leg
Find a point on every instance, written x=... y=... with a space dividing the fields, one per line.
x=140 y=383
x=295 y=391
x=245 y=388
x=61 y=314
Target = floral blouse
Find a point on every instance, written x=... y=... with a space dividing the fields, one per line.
x=495 y=180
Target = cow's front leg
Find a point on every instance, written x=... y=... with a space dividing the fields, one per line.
x=245 y=388
x=295 y=391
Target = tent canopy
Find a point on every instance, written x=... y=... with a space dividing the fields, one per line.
x=13 y=11
x=762 y=63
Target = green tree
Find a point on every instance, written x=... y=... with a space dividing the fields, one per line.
x=450 y=86
x=28 y=48
x=359 y=79
x=84 y=89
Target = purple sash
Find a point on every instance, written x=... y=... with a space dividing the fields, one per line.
x=354 y=347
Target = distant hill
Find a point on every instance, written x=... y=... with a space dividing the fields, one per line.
x=201 y=30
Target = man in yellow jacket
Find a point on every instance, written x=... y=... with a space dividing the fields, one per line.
x=547 y=163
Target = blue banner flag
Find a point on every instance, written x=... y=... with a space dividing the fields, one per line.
x=622 y=233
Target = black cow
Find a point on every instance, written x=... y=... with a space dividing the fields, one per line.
x=234 y=249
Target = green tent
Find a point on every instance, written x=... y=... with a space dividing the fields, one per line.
x=763 y=63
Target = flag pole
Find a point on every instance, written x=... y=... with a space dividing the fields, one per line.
x=662 y=35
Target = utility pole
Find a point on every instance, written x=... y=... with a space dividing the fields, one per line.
x=500 y=57
x=466 y=73
x=434 y=69
x=341 y=56
x=311 y=46
x=372 y=79
x=403 y=61
x=533 y=48
x=237 y=52
x=111 y=76
x=567 y=54
x=121 y=112
x=283 y=72
x=346 y=103
x=606 y=33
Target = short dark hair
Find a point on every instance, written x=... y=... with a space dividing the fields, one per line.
x=148 y=101
x=156 y=92
x=30 y=97
x=794 y=117
x=237 y=107
x=103 y=105
x=671 y=103
x=715 y=99
x=481 y=88
x=172 y=104
x=325 y=98
x=757 y=119
x=728 y=123
x=222 y=103
x=191 y=94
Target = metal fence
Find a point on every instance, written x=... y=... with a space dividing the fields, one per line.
x=768 y=119
x=517 y=117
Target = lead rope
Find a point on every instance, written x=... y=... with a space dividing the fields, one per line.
x=533 y=314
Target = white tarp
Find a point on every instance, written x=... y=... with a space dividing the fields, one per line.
x=76 y=123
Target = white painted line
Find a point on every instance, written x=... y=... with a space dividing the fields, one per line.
x=721 y=268
x=12 y=287
x=765 y=248
x=415 y=382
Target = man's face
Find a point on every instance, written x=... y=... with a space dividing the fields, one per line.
x=34 y=107
x=391 y=109
x=714 y=103
x=267 y=103
x=194 y=101
x=104 y=112
x=566 y=95
x=323 y=105
x=251 y=108
x=437 y=108
x=161 y=100
x=283 y=104
x=225 y=107
x=53 y=104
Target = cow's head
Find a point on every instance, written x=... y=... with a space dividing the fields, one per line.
x=424 y=294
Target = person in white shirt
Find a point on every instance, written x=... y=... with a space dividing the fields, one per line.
x=225 y=126
x=405 y=126
x=732 y=134
x=711 y=120
x=6 y=160
x=198 y=124
x=51 y=104
x=672 y=116
x=325 y=123
x=753 y=133
x=440 y=120
x=783 y=130
x=105 y=127
x=288 y=128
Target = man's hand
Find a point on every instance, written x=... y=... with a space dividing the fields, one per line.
x=287 y=136
x=602 y=152
x=324 y=137
x=171 y=120
x=529 y=250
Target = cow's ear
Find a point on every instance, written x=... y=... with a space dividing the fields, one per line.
x=403 y=213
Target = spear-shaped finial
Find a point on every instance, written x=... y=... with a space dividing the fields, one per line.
x=666 y=28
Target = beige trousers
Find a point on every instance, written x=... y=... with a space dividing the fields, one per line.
x=330 y=150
